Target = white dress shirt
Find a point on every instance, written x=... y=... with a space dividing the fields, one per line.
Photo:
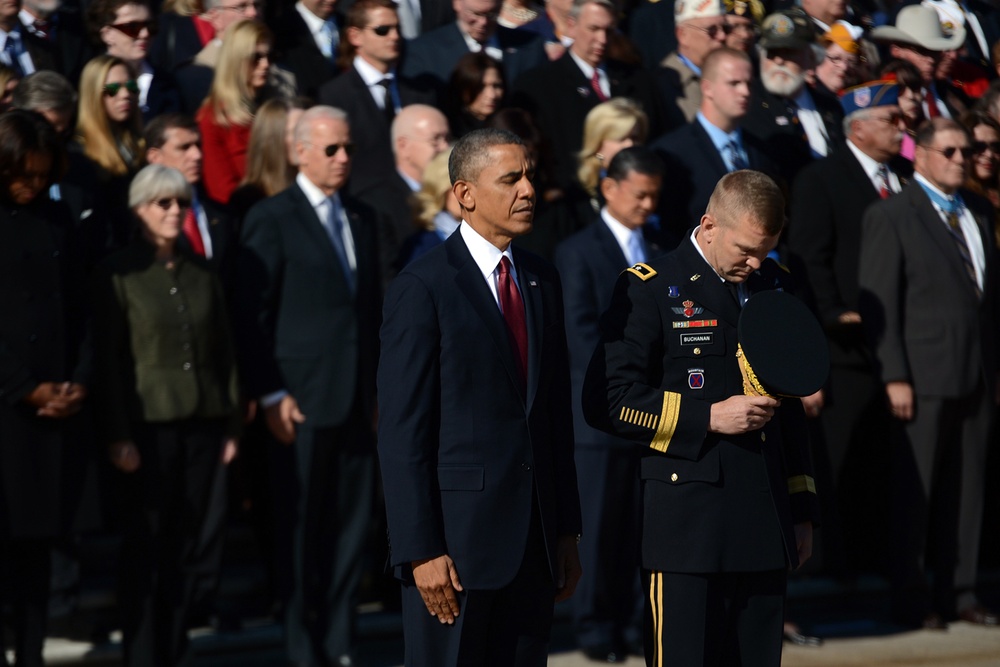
x=871 y=167
x=487 y=258
x=588 y=72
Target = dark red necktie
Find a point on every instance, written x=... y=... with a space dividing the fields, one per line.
x=932 y=107
x=595 y=83
x=513 y=316
x=883 y=182
x=192 y=232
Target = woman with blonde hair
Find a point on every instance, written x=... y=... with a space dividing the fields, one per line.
x=435 y=210
x=270 y=154
x=109 y=134
x=610 y=127
x=227 y=114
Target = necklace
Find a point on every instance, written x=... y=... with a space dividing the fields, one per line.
x=523 y=14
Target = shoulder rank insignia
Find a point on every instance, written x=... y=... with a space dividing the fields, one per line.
x=644 y=271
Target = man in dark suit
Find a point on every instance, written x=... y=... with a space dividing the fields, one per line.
x=607 y=610
x=728 y=497
x=829 y=199
x=60 y=32
x=306 y=42
x=370 y=90
x=792 y=125
x=928 y=303
x=431 y=57
x=700 y=153
x=20 y=50
x=651 y=29
x=560 y=93
x=173 y=140
x=307 y=305
x=475 y=428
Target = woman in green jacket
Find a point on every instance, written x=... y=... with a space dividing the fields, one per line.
x=168 y=409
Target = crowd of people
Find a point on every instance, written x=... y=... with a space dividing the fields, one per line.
x=204 y=205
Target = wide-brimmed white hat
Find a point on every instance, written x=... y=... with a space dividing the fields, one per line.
x=919 y=26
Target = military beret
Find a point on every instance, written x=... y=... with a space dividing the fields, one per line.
x=782 y=348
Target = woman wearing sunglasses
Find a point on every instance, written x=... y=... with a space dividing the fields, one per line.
x=983 y=176
x=124 y=29
x=167 y=410
x=109 y=134
x=225 y=118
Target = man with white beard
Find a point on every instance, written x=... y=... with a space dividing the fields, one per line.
x=793 y=126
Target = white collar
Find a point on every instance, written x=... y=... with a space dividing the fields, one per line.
x=584 y=66
x=313 y=22
x=315 y=196
x=369 y=73
x=484 y=254
x=621 y=233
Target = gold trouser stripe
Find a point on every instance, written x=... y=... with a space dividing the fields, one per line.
x=801 y=483
x=658 y=650
x=668 y=421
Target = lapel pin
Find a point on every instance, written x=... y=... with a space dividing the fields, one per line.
x=533 y=283
x=695 y=277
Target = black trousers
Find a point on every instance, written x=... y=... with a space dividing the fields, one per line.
x=24 y=584
x=324 y=488
x=714 y=620
x=509 y=627
x=607 y=604
x=164 y=509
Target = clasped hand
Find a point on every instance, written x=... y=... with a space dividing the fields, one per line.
x=57 y=400
x=741 y=414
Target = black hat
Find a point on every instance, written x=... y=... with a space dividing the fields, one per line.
x=789 y=29
x=783 y=351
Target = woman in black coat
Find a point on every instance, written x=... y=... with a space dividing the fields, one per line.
x=44 y=371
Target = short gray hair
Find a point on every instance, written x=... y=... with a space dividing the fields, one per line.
x=314 y=114
x=578 y=6
x=45 y=90
x=155 y=182
x=857 y=114
x=471 y=153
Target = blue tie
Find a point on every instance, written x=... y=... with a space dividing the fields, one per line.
x=736 y=156
x=330 y=38
x=12 y=51
x=335 y=228
x=636 y=247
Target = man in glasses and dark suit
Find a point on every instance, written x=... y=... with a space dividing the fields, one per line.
x=307 y=307
x=928 y=303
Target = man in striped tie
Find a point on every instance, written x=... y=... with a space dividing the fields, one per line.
x=928 y=303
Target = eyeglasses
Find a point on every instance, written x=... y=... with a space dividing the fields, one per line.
x=167 y=202
x=713 y=30
x=841 y=61
x=258 y=56
x=242 y=8
x=132 y=29
x=332 y=149
x=891 y=119
x=981 y=146
x=949 y=152
x=383 y=30
x=112 y=89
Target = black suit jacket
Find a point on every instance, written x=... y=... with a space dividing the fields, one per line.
x=298 y=53
x=694 y=167
x=175 y=43
x=430 y=58
x=464 y=453
x=221 y=230
x=712 y=503
x=391 y=199
x=921 y=314
x=67 y=49
x=779 y=133
x=163 y=97
x=299 y=326
x=589 y=263
x=559 y=97
x=373 y=158
x=651 y=29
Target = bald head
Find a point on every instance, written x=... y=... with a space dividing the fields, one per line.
x=419 y=133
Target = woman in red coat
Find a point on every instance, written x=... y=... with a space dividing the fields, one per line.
x=227 y=115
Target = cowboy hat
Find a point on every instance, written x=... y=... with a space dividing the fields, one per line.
x=919 y=26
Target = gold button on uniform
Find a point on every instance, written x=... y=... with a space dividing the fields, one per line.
x=673 y=478
x=697 y=350
x=763 y=437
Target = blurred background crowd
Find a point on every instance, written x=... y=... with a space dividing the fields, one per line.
x=137 y=138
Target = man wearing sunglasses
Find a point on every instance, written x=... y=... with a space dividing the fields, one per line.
x=308 y=299
x=928 y=303
x=828 y=202
x=700 y=29
x=371 y=91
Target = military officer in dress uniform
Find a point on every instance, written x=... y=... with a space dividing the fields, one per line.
x=727 y=490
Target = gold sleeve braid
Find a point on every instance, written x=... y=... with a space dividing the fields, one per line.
x=669 y=414
x=801 y=484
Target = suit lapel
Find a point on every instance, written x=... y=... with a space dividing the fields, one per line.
x=470 y=282
x=708 y=148
x=940 y=236
x=361 y=90
x=306 y=215
x=531 y=294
